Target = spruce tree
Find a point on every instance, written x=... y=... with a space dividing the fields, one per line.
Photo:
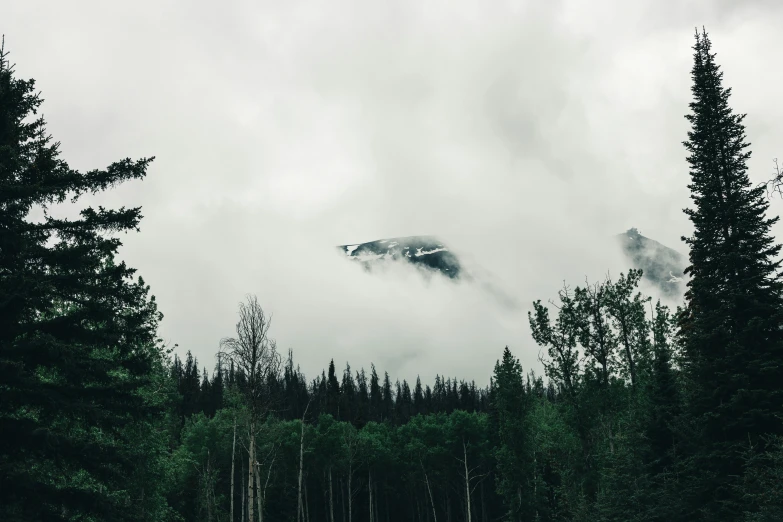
x=732 y=326
x=515 y=470
x=77 y=331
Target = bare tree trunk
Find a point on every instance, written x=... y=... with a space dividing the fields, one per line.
x=207 y=481
x=331 y=497
x=350 y=492
x=259 y=500
x=535 y=481
x=266 y=484
x=429 y=491
x=233 y=453
x=299 y=512
x=467 y=479
x=243 y=494
x=251 y=466
x=369 y=489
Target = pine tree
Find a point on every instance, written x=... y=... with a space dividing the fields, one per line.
x=333 y=392
x=376 y=397
x=732 y=325
x=77 y=332
x=347 y=396
x=511 y=406
x=387 y=405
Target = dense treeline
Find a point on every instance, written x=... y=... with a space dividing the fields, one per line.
x=646 y=413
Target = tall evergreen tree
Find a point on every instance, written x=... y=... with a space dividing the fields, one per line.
x=333 y=392
x=511 y=405
x=77 y=332
x=376 y=397
x=732 y=327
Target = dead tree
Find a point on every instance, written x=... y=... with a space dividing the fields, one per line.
x=299 y=511
x=254 y=353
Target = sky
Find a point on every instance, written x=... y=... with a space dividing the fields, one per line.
x=523 y=134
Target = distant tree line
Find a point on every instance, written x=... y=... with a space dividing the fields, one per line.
x=646 y=414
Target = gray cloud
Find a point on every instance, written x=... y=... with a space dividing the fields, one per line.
x=524 y=134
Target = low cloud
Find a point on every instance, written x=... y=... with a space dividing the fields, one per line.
x=523 y=134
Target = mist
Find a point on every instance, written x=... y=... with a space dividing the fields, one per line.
x=524 y=135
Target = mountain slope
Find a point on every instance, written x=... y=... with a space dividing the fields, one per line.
x=662 y=266
x=426 y=252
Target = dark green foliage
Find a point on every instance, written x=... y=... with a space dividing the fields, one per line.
x=516 y=455
x=732 y=326
x=78 y=347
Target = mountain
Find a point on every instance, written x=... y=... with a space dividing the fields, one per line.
x=661 y=265
x=426 y=252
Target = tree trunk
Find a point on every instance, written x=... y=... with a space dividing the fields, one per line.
x=233 y=453
x=350 y=492
x=331 y=497
x=429 y=491
x=251 y=472
x=266 y=484
x=206 y=490
x=306 y=504
x=243 y=494
x=535 y=482
x=259 y=500
x=299 y=510
x=467 y=480
x=369 y=489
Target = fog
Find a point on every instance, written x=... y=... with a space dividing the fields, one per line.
x=522 y=134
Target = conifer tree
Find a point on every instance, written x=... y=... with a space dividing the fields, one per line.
x=333 y=392
x=511 y=406
x=77 y=330
x=732 y=326
x=376 y=397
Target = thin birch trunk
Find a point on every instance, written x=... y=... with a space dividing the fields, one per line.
x=233 y=453
x=350 y=492
x=299 y=511
x=429 y=491
x=467 y=479
x=259 y=500
x=306 y=504
x=251 y=472
x=243 y=493
x=535 y=481
x=268 y=476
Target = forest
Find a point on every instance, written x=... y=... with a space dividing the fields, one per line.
x=644 y=413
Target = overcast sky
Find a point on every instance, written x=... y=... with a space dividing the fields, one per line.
x=524 y=134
